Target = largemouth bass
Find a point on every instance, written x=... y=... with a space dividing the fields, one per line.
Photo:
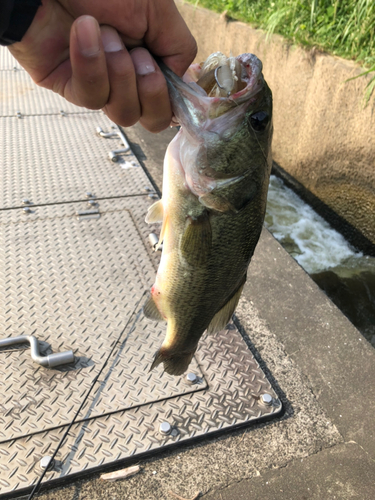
x=215 y=182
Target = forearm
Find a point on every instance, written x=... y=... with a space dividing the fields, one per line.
x=15 y=19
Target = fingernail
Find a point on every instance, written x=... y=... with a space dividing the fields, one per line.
x=88 y=36
x=111 y=40
x=143 y=63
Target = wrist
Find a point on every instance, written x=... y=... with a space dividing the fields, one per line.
x=16 y=17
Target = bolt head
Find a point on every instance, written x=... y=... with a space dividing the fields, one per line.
x=27 y=210
x=266 y=399
x=165 y=428
x=25 y=201
x=88 y=194
x=191 y=378
x=47 y=463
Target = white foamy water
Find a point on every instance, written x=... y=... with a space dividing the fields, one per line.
x=306 y=235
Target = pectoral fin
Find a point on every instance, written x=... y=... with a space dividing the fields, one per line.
x=163 y=230
x=216 y=202
x=196 y=241
x=231 y=194
x=222 y=318
x=155 y=212
x=151 y=311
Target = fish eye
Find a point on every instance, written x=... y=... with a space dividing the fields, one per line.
x=259 y=121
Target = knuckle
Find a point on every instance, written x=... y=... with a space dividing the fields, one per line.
x=125 y=117
x=155 y=126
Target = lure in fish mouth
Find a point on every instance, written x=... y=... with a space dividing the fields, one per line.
x=215 y=182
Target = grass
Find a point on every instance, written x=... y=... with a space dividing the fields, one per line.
x=344 y=28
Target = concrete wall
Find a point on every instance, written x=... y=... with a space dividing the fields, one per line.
x=323 y=137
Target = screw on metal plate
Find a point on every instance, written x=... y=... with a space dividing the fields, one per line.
x=191 y=378
x=165 y=428
x=153 y=196
x=27 y=210
x=19 y=114
x=148 y=189
x=26 y=201
x=63 y=113
x=92 y=203
x=89 y=195
x=266 y=399
x=153 y=239
x=47 y=463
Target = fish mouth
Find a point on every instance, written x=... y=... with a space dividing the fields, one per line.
x=209 y=90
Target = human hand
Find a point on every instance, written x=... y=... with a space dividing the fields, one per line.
x=93 y=53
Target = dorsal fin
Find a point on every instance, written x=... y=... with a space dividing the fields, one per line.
x=222 y=318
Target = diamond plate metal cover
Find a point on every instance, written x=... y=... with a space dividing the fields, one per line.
x=74 y=284
x=55 y=159
x=20 y=94
x=235 y=384
x=7 y=61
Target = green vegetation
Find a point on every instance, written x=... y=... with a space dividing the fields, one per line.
x=342 y=27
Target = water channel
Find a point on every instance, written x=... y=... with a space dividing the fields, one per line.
x=345 y=275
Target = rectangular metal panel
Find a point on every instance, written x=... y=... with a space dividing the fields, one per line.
x=74 y=284
x=233 y=397
x=54 y=159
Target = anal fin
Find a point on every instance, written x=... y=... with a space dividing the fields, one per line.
x=151 y=311
x=222 y=318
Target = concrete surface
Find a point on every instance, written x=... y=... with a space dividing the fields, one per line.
x=323 y=371
x=323 y=135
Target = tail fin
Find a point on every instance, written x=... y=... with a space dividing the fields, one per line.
x=175 y=363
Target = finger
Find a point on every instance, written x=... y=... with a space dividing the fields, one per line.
x=123 y=106
x=89 y=84
x=156 y=111
x=170 y=39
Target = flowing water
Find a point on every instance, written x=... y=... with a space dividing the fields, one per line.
x=346 y=276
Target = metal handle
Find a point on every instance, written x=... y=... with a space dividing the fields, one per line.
x=59 y=358
x=113 y=155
